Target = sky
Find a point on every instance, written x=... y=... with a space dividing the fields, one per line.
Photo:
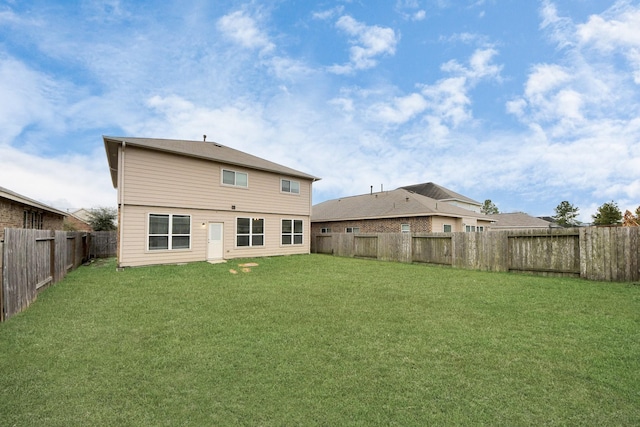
x=524 y=103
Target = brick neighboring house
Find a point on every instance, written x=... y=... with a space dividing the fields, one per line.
x=393 y=211
x=18 y=211
x=78 y=221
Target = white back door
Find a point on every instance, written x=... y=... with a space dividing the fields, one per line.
x=215 y=241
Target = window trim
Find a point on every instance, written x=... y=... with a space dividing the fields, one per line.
x=282 y=180
x=293 y=233
x=170 y=234
x=250 y=234
x=235 y=178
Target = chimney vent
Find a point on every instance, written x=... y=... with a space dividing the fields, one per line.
x=204 y=138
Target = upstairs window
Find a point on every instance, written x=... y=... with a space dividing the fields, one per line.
x=237 y=179
x=446 y=228
x=169 y=232
x=249 y=232
x=287 y=186
x=292 y=231
x=470 y=228
x=354 y=230
x=325 y=230
x=405 y=228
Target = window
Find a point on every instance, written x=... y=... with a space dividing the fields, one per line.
x=287 y=186
x=32 y=219
x=480 y=228
x=238 y=179
x=470 y=228
x=405 y=228
x=354 y=230
x=292 y=231
x=250 y=232
x=325 y=230
x=169 y=232
x=446 y=228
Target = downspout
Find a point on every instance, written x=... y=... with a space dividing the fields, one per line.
x=120 y=200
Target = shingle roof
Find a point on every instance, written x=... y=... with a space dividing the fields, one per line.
x=8 y=194
x=387 y=204
x=199 y=149
x=517 y=220
x=438 y=192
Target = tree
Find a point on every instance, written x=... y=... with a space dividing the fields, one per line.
x=566 y=214
x=607 y=214
x=103 y=219
x=489 y=208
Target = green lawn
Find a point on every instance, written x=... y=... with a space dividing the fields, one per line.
x=319 y=340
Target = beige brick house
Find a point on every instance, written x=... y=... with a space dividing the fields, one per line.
x=394 y=211
x=184 y=201
x=18 y=211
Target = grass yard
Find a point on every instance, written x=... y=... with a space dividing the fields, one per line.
x=319 y=340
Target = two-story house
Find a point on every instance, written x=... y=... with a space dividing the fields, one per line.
x=184 y=201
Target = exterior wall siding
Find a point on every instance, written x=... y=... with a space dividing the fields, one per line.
x=159 y=179
x=162 y=183
x=133 y=244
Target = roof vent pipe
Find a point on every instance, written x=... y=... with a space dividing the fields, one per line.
x=204 y=138
x=372 y=189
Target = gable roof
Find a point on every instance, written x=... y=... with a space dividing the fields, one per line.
x=387 y=204
x=438 y=192
x=517 y=220
x=10 y=195
x=198 y=149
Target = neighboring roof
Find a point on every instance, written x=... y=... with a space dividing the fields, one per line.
x=82 y=214
x=8 y=194
x=517 y=220
x=387 y=204
x=438 y=192
x=198 y=149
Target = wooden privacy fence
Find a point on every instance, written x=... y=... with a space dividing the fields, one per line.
x=594 y=253
x=31 y=260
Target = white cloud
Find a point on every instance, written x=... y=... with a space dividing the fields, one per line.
x=401 y=109
x=243 y=29
x=27 y=98
x=66 y=182
x=617 y=31
x=368 y=43
x=328 y=14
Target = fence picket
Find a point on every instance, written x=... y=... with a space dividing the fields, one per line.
x=31 y=260
x=593 y=253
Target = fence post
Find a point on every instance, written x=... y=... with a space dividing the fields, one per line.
x=1 y=281
x=52 y=256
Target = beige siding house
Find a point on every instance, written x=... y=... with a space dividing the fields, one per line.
x=184 y=201
x=519 y=221
x=442 y=194
x=396 y=211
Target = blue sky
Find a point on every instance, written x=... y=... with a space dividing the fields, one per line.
x=526 y=103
